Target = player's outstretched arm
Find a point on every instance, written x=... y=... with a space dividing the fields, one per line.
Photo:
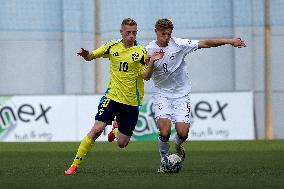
x=207 y=43
x=85 y=54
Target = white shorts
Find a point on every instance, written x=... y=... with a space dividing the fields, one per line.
x=175 y=109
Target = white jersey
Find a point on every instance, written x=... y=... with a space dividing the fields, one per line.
x=170 y=75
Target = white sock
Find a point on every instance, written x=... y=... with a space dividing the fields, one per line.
x=178 y=141
x=163 y=148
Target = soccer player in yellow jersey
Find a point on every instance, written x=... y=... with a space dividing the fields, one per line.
x=122 y=99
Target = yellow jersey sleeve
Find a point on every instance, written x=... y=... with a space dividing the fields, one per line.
x=103 y=51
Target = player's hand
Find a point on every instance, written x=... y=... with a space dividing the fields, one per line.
x=238 y=42
x=157 y=55
x=84 y=53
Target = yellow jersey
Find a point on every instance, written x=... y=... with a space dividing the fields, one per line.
x=126 y=85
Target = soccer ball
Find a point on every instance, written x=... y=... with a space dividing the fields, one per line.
x=171 y=164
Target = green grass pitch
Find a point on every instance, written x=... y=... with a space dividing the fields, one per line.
x=218 y=164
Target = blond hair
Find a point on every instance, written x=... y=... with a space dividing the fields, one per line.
x=128 y=21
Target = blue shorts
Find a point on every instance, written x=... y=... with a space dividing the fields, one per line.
x=126 y=115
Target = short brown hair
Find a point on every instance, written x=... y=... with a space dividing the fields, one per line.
x=129 y=21
x=164 y=23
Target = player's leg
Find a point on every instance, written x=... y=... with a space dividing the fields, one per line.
x=114 y=131
x=161 y=108
x=126 y=118
x=86 y=145
x=182 y=119
x=104 y=116
x=164 y=126
x=122 y=140
x=182 y=130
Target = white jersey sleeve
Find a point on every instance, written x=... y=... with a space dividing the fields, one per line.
x=187 y=45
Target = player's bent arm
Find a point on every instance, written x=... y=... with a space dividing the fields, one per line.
x=149 y=71
x=150 y=62
x=102 y=51
x=236 y=42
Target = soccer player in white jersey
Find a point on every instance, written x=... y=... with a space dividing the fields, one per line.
x=172 y=83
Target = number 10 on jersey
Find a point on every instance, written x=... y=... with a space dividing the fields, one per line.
x=123 y=66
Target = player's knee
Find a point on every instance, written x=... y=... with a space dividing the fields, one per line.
x=122 y=144
x=165 y=132
x=183 y=136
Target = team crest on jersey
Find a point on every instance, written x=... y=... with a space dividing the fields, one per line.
x=135 y=56
x=115 y=54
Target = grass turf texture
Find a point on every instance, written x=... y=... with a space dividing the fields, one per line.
x=218 y=164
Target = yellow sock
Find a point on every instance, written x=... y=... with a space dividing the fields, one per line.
x=85 y=146
x=115 y=132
